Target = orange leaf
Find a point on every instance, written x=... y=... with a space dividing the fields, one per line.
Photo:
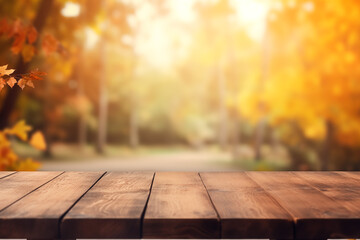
x=4 y=26
x=38 y=141
x=36 y=74
x=31 y=34
x=30 y=83
x=28 y=52
x=49 y=44
x=3 y=70
x=11 y=82
x=18 y=43
x=21 y=83
x=2 y=83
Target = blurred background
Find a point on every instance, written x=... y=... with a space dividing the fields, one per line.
x=203 y=85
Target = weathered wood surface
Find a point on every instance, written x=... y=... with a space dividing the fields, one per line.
x=245 y=209
x=316 y=215
x=281 y=205
x=113 y=208
x=37 y=215
x=16 y=186
x=3 y=174
x=179 y=207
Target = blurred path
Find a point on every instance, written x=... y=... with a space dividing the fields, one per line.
x=184 y=161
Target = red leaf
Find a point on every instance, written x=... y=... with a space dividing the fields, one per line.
x=18 y=43
x=31 y=34
x=49 y=44
x=4 y=26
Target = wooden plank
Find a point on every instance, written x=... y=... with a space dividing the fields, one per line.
x=37 y=215
x=352 y=174
x=116 y=203
x=245 y=209
x=3 y=174
x=15 y=186
x=315 y=214
x=345 y=190
x=179 y=207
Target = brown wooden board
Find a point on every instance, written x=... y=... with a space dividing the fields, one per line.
x=37 y=215
x=351 y=174
x=345 y=190
x=15 y=186
x=113 y=208
x=3 y=174
x=245 y=209
x=315 y=214
x=179 y=207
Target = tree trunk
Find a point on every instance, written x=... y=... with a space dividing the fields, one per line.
x=134 y=131
x=82 y=133
x=325 y=151
x=47 y=107
x=223 y=115
x=103 y=103
x=235 y=134
x=22 y=67
x=259 y=137
x=133 y=118
x=259 y=134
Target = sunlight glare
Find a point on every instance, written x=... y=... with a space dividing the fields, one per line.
x=70 y=10
x=91 y=38
x=253 y=15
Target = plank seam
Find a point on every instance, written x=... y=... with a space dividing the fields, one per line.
x=277 y=202
x=30 y=192
x=212 y=203
x=8 y=175
x=145 y=207
x=63 y=215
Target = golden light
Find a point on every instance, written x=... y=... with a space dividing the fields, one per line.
x=70 y=10
x=91 y=38
x=252 y=15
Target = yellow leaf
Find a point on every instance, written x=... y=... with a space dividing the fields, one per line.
x=28 y=52
x=11 y=82
x=38 y=141
x=3 y=70
x=20 y=129
x=27 y=165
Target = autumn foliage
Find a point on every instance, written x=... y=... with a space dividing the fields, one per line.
x=24 y=37
x=23 y=40
x=22 y=80
x=8 y=158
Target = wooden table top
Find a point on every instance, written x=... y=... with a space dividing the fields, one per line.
x=275 y=205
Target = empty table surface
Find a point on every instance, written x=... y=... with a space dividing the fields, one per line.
x=275 y=205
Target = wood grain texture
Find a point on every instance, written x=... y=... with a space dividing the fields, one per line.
x=315 y=214
x=351 y=174
x=37 y=215
x=3 y=174
x=345 y=190
x=245 y=209
x=116 y=204
x=179 y=207
x=17 y=185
